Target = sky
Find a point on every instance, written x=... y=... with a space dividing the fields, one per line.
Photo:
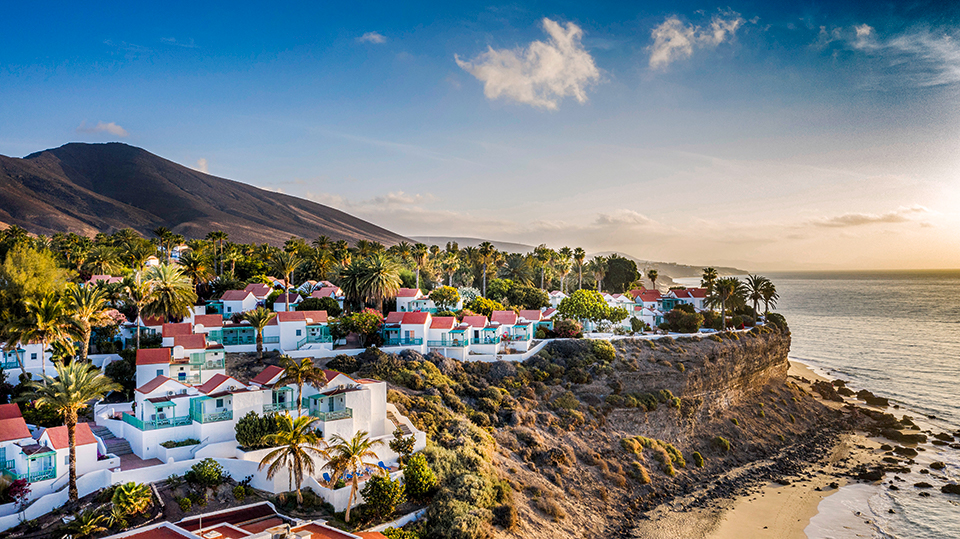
x=765 y=135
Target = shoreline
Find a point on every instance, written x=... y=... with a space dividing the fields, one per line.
x=772 y=509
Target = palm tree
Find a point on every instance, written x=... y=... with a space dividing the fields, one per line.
x=297 y=444
x=770 y=296
x=194 y=266
x=353 y=456
x=351 y=281
x=726 y=291
x=85 y=307
x=101 y=260
x=75 y=385
x=563 y=265
x=304 y=372
x=285 y=264
x=450 y=265
x=517 y=268
x=12 y=331
x=136 y=254
x=579 y=255
x=231 y=255
x=171 y=293
x=46 y=322
x=322 y=242
x=321 y=263
x=598 y=266
x=486 y=250
x=259 y=318
x=138 y=294
x=543 y=255
x=86 y=524
x=755 y=284
x=403 y=250
x=419 y=254
x=381 y=279
x=653 y=275
x=218 y=237
x=707 y=279
x=163 y=235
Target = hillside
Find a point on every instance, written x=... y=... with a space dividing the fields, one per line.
x=90 y=188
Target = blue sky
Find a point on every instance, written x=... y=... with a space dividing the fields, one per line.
x=766 y=135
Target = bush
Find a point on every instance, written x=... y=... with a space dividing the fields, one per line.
x=401 y=445
x=239 y=492
x=777 y=320
x=603 y=350
x=566 y=329
x=185 y=504
x=207 y=473
x=721 y=443
x=682 y=321
x=567 y=401
x=506 y=516
x=382 y=495
x=485 y=306
x=344 y=363
x=400 y=533
x=550 y=507
x=419 y=479
x=735 y=421
x=698 y=459
x=169 y=444
x=640 y=473
x=132 y=498
x=253 y=428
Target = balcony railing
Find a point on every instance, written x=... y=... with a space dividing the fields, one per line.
x=237 y=340
x=313 y=339
x=10 y=365
x=34 y=476
x=193 y=379
x=156 y=424
x=7 y=464
x=225 y=415
x=277 y=407
x=271 y=340
x=402 y=342
x=346 y=413
x=447 y=344
x=488 y=340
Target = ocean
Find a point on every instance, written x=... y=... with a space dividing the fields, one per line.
x=896 y=334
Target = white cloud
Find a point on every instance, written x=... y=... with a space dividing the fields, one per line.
x=188 y=44
x=902 y=214
x=674 y=40
x=541 y=74
x=624 y=217
x=202 y=166
x=372 y=37
x=921 y=57
x=102 y=127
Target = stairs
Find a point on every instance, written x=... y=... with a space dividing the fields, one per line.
x=117 y=446
x=403 y=428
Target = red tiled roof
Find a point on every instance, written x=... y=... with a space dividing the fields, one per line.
x=547 y=313
x=235 y=295
x=173 y=330
x=504 y=317
x=477 y=321
x=282 y=298
x=697 y=292
x=408 y=293
x=150 y=386
x=153 y=356
x=370 y=535
x=237 y=516
x=531 y=315
x=444 y=322
x=682 y=293
x=14 y=428
x=60 y=439
x=649 y=295
x=417 y=319
x=260 y=525
x=287 y=316
x=323 y=532
x=215 y=382
x=394 y=318
x=209 y=320
x=160 y=532
x=152 y=321
x=191 y=342
x=259 y=290
x=9 y=411
x=228 y=531
x=266 y=375
x=330 y=375
x=315 y=317
x=325 y=292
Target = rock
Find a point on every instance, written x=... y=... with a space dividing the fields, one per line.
x=924 y=494
x=946 y=437
x=905 y=451
x=923 y=484
x=846 y=392
x=950 y=489
x=871 y=475
x=834 y=485
x=827 y=391
x=937 y=465
x=924 y=471
x=886 y=447
x=938 y=442
x=894 y=487
x=872 y=399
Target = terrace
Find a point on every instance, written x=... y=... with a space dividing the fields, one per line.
x=158 y=423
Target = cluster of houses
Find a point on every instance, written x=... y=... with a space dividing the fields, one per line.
x=647 y=305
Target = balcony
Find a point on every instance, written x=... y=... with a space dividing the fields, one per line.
x=346 y=413
x=223 y=415
x=487 y=340
x=277 y=407
x=271 y=340
x=447 y=344
x=7 y=465
x=233 y=340
x=33 y=476
x=10 y=365
x=313 y=339
x=402 y=342
x=162 y=423
x=193 y=379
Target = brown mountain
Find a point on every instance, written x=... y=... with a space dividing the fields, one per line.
x=90 y=188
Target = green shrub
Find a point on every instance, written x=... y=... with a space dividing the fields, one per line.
x=185 y=504
x=567 y=401
x=419 y=479
x=698 y=459
x=617 y=401
x=640 y=473
x=252 y=429
x=715 y=337
x=207 y=473
x=777 y=320
x=169 y=444
x=400 y=533
x=506 y=516
x=382 y=495
x=344 y=363
x=735 y=421
x=666 y=464
x=603 y=350
x=239 y=492
x=132 y=498
x=721 y=443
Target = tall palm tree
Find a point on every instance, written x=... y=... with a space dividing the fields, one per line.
x=710 y=275
x=381 y=279
x=75 y=385
x=598 y=266
x=726 y=291
x=300 y=373
x=543 y=255
x=102 y=260
x=194 y=266
x=285 y=264
x=653 y=275
x=218 y=237
x=563 y=265
x=46 y=322
x=85 y=306
x=579 y=255
x=163 y=235
x=450 y=265
x=419 y=254
x=403 y=250
x=351 y=281
x=297 y=444
x=259 y=318
x=755 y=284
x=486 y=250
x=517 y=268
x=322 y=242
x=135 y=254
x=321 y=263
x=770 y=296
x=171 y=293
x=353 y=456
x=137 y=290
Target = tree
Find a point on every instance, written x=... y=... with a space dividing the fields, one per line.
x=137 y=290
x=709 y=276
x=194 y=266
x=304 y=372
x=297 y=444
x=365 y=323
x=445 y=297
x=485 y=306
x=85 y=308
x=171 y=293
x=45 y=322
x=217 y=237
x=251 y=430
x=352 y=457
x=653 y=275
x=382 y=495
x=486 y=251
x=726 y=291
x=132 y=498
x=579 y=255
x=769 y=295
x=419 y=480
x=543 y=255
x=381 y=279
x=259 y=318
x=29 y=274
x=285 y=264
x=621 y=272
x=598 y=266
x=401 y=445
x=76 y=384
x=755 y=285
x=419 y=255
x=102 y=260
x=86 y=524
x=584 y=305
x=450 y=264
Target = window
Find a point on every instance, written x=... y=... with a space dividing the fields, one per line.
x=159 y=372
x=219 y=403
x=66 y=460
x=33 y=355
x=229 y=309
x=298 y=332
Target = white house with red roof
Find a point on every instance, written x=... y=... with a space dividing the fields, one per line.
x=556 y=297
x=91 y=452
x=329 y=290
x=235 y=302
x=34 y=360
x=260 y=291
x=406 y=329
x=280 y=303
x=105 y=279
x=188 y=366
x=690 y=296
x=405 y=296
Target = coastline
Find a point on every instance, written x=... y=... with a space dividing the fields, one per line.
x=772 y=509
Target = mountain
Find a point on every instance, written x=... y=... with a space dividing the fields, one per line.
x=90 y=188
x=674 y=270
x=504 y=246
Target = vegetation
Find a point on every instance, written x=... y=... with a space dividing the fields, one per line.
x=132 y=498
x=419 y=479
x=259 y=318
x=297 y=444
x=350 y=458
x=382 y=495
x=206 y=473
x=169 y=444
x=299 y=373
x=402 y=446
x=253 y=429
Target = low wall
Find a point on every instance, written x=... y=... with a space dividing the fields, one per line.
x=397 y=523
x=224 y=450
x=100 y=361
x=176 y=453
x=340 y=497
